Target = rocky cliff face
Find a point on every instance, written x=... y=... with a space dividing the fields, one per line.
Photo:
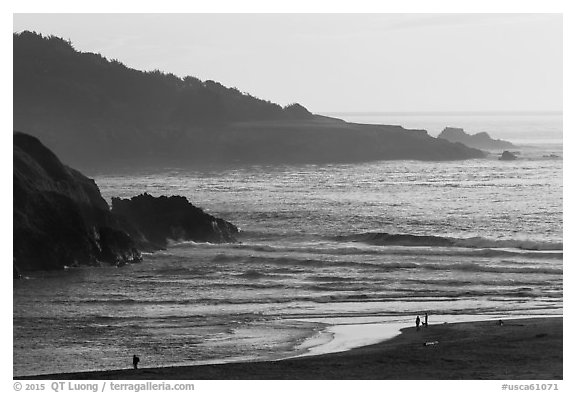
x=153 y=221
x=480 y=140
x=60 y=218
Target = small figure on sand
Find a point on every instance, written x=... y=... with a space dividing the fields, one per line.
x=500 y=323
x=425 y=320
x=135 y=360
x=418 y=322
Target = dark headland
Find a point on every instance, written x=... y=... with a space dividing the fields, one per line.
x=520 y=349
x=60 y=218
x=97 y=113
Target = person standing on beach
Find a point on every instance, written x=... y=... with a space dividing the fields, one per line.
x=426 y=319
x=135 y=360
x=417 y=322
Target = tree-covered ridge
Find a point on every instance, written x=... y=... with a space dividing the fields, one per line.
x=49 y=71
x=98 y=113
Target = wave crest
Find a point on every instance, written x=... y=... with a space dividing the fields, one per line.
x=388 y=239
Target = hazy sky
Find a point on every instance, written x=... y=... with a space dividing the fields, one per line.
x=340 y=62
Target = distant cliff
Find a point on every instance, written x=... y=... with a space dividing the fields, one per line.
x=94 y=112
x=60 y=218
x=480 y=140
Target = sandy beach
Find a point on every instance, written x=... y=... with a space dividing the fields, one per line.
x=518 y=349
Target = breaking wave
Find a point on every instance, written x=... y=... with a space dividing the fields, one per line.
x=380 y=266
x=388 y=239
x=403 y=249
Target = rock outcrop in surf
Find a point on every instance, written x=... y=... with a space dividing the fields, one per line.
x=480 y=140
x=153 y=221
x=61 y=219
x=507 y=156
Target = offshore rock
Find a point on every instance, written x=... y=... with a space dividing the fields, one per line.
x=153 y=221
x=507 y=156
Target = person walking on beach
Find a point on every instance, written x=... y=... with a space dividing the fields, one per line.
x=426 y=320
x=135 y=360
x=417 y=322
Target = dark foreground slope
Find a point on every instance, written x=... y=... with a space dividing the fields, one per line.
x=61 y=219
x=94 y=112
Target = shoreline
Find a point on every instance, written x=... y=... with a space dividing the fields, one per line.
x=524 y=348
x=349 y=336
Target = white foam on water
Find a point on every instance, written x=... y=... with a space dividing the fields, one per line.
x=346 y=337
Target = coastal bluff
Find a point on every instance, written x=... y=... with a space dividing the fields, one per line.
x=60 y=219
x=96 y=113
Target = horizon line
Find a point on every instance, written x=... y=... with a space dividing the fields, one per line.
x=445 y=112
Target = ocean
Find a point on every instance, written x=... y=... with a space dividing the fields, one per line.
x=329 y=257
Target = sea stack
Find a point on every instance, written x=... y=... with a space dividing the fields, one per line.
x=507 y=156
x=480 y=140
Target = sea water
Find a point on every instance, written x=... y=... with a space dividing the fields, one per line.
x=329 y=257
